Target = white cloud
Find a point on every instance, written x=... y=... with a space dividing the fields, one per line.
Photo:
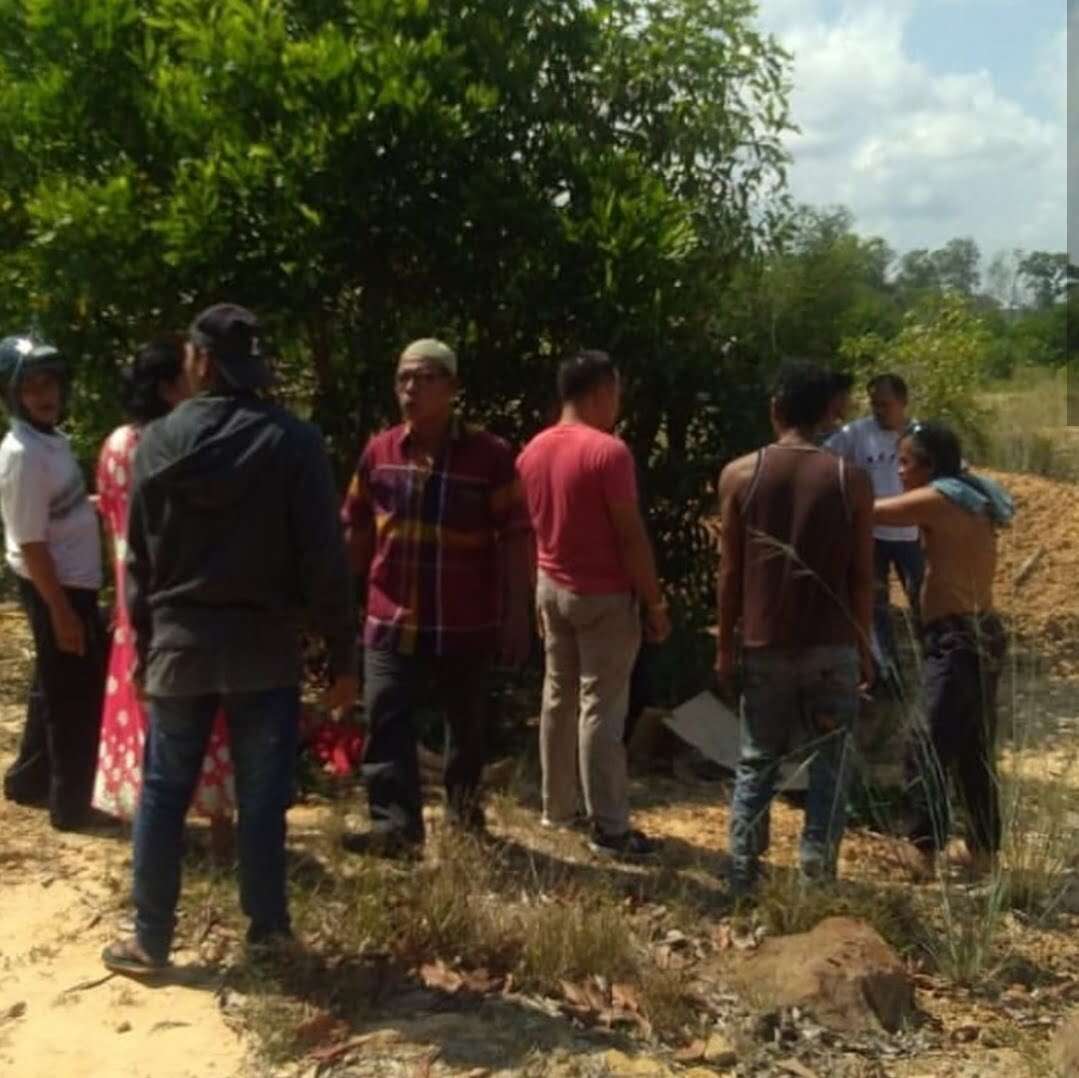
x=920 y=157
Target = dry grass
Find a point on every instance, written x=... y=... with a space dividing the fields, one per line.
x=468 y=906
x=532 y=909
x=1029 y=431
x=787 y=905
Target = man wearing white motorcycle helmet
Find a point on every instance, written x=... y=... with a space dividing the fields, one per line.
x=53 y=546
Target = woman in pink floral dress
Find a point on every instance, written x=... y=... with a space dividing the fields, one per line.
x=154 y=384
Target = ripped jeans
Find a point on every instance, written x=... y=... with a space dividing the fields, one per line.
x=795 y=701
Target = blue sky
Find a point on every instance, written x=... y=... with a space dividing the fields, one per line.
x=932 y=118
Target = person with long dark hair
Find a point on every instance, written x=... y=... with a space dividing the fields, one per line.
x=958 y=514
x=153 y=384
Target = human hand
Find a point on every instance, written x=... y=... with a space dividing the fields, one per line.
x=657 y=623
x=68 y=629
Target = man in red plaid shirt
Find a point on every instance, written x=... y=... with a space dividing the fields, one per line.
x=440 y=539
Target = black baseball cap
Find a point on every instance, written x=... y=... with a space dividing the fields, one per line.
x=231 y=335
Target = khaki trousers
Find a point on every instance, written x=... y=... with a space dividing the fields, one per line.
x=590 y=643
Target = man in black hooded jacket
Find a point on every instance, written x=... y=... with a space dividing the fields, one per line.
x=233 y=547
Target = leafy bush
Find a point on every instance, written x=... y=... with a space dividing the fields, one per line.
x=940 y=351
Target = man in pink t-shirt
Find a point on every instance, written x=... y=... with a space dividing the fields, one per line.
x=596 y=571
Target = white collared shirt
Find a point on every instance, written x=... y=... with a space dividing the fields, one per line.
x=43 y=500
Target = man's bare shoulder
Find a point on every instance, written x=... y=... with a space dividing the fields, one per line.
x=737 y=473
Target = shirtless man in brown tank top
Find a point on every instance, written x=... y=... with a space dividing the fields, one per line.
x=964 y=642
x=796 y=572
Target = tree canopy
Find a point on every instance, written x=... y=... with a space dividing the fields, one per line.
x=520 y=176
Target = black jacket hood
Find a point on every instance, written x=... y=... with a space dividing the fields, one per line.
x=209 y=449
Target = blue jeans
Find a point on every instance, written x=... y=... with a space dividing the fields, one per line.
x=263 y=734
x=909 y=561
x=800 y=700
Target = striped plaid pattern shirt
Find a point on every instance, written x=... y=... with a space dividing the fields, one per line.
x=434 y=585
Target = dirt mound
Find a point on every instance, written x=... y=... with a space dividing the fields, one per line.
x=1039 y=567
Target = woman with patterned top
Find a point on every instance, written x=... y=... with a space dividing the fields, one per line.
x=153 y=384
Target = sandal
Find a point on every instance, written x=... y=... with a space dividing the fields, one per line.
x=127 y=956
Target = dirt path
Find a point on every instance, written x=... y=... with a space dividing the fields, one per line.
x=61 y=899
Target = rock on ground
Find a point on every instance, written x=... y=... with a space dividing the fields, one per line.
x=842 y=971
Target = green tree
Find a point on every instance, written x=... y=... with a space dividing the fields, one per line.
x=940 y=352
x=957 y=266
x=520 y=176
x=1048 y=275
x=918 y=271
x=824 y=283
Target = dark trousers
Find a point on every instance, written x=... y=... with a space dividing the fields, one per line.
x=58 y=751
x=963 y=659
x=263 y=736
x=393 y=686
x=909 y=562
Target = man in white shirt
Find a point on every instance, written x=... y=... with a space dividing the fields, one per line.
x=873 y=444
x=53 y=545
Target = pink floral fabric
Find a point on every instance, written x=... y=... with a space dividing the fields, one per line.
x=123 y=724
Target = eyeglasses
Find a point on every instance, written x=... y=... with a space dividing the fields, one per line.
x=420 y=377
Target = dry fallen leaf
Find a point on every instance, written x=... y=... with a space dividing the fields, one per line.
x=481 y=981
x=597 y=999
x=423 y=1068
x=721 y=937
x=625 y=996
x=574 y=995
x=792 y=1066
x=438 y=975
x=691 y=1053
x=320 y=1028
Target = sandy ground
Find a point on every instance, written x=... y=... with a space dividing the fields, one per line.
x=60 y=1013
x=62 y=898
